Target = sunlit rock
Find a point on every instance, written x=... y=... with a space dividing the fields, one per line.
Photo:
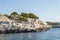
x=32 y=24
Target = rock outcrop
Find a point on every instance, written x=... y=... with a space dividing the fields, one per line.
x=12 y=26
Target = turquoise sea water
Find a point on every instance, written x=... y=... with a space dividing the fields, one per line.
x=52 y=34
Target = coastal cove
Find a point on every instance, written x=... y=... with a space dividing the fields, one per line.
x=51 y=34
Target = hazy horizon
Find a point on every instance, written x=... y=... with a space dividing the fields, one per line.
x=47 y=10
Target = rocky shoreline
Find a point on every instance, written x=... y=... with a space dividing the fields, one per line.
x=14 y=25
x=23 y=31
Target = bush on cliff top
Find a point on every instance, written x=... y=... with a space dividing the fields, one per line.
x=23 y=16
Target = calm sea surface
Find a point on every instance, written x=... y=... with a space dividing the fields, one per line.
x=52 y=34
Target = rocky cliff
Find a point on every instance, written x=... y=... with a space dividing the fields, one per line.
x=11 y=26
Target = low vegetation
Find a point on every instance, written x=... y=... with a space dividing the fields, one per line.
x=23 y=16
x=52 y=23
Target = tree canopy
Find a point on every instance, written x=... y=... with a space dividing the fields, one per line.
x=29 y=15
x=14 y=14
x=23 y=16
x=52 y=23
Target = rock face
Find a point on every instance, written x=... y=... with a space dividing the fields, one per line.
x=12 y=26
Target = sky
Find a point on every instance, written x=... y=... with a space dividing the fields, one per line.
x=46 y=10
